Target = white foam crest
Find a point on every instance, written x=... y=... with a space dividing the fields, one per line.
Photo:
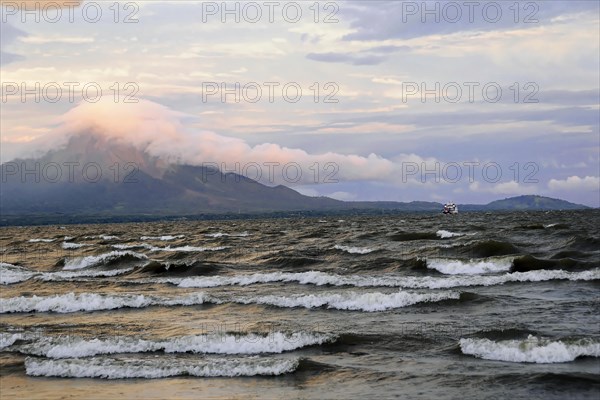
x=310 y=277
x=353 y=250
x=10 y=273
x=70 y=245
x=461 y=267
x=67 y=238
x=531 y=350
x=275 y=342
x=71 y=302
x=447 y=234
x=550 y=225
x=41 y=240
x=222 y=234
x=133 y=246
x=412 y=282
x=73 y=275
x=163 y=238
x=157 y=367
x=108 y=237
x=368 y=302
x=91 y=261
x=7 y=339
x=188 y=248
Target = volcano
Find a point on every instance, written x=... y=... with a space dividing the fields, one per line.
x=95 y=176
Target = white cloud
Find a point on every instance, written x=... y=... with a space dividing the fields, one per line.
x=575 y=183
x=56 y=39
x=507 y=188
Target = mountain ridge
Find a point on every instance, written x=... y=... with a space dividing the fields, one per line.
x=126 y=182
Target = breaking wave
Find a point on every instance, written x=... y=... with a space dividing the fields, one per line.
x=412 y=282
x=221 y=234
x=112 y=257
x=8 y=339
x=531 y=350
x=109 y=368
x=10 y=273
x=368 y=302
x=163 y=238
x=71 y=302
x=70 y=347
x=447 y=234
x=459 y=267
x=353 y=250
x=70 y=245
x=188 y=248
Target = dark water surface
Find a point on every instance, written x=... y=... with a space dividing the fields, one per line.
x=470 y=306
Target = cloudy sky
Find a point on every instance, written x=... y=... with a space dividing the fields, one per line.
x=369 y=100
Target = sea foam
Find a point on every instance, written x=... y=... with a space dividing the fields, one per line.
x=157 y=367
x=530 y=350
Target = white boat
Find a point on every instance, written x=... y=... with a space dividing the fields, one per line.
x=450 y=208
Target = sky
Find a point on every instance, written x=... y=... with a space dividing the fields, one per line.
x=357 y=100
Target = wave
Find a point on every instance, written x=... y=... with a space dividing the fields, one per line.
x=133 y=246
x=410 y=236
x=108 y=237
x=354 y=250
x=163 y=238
x=107 y=258
x=290 y=261
x=108 y=368
x=74 y=275
x=41 y=240
x=531 y=350
x=71 y=302
x=368 y=302
x=490 y=248
x=72 y=347
x=221 y=234
x=179 y=268
x=530 y=263
x=556 y=225
x=459 y=267
x=447 y=234
x=188 y=248
x=412 y=282
x=70 y=245
x=10 y=274
x=8 y=339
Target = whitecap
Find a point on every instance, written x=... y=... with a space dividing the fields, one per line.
x=531 y=350
x=70 y=245
x=10 y=274
x=274 y=342
x=71 y=302
x=368 y=302
x=91 y=261
x=353 y=250
x=160 y=367
x=463 y=267
x=188 y=248
x=447 y=234
x=162 y=238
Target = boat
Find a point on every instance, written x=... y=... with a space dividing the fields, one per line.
x=450 y=208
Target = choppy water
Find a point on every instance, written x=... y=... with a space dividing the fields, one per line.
x=470 y=306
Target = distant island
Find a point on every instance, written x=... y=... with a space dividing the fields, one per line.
x=43 y=191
